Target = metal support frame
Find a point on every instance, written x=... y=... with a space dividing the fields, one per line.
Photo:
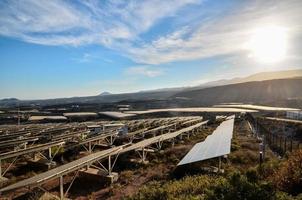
x=111 y=140
x=49 y=152
x=9 y=166
x=90 y=147
x=110 y=164
x=40 y=186
x=85 y=148
x=188 y=134
x=130 y=139
x=142 y=155
x=50 y=156
x=173 y=142
x=159 y=144
x=20 y=146
x=61 y=188
x=73 y=179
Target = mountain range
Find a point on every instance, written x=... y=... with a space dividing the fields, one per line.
x=260 y=87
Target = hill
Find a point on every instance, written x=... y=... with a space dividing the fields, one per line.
x=249 y=92
x=104 y=93
x=255 y=88
x=262 y=76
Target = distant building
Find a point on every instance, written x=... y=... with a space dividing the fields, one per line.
x=123 y=108
x=294 y=115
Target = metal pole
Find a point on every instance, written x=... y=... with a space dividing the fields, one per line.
x=89 y=147
x=61 y=188
x=109 y=165
x=143 y=158
x=49 y=152
x=219 y=164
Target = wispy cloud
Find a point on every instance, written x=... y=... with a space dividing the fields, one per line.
x=144 y=71
x=119 y=25
x=88 y=57
x=85 y=58
x=82 y=22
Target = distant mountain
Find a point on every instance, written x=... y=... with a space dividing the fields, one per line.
x=7 y=102
x=262 y=76
x=105 y=93
x=247 y=92
x=187 y=93
x=9 y=99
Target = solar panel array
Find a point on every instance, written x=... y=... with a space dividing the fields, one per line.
x=215 y=145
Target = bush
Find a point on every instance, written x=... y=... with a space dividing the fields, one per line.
x=244 y=157
x=267 y=169
x=235 y=146
x=205 y=187
x=285 y=196
x=252 y=175
x=250 y=145
x=289 y=177
x=238 y=187
x=190 y=187
x=126 y=176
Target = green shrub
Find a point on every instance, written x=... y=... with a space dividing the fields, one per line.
x=252 y=175
x=244 y=157
x=238 y=187
x=190 y=187
x=235 y=146
x=268 y=168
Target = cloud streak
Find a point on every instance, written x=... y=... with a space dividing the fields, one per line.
x=82 y=22
x=144 y=71
x=119 y=25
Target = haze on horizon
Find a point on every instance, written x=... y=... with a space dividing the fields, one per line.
x=51 y=49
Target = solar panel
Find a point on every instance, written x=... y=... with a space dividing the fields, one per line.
x=215 y=145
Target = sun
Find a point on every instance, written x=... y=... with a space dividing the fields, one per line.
x=268 y=44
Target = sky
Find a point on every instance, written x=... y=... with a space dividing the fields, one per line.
x=58 y=48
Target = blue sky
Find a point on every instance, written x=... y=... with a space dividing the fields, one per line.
x=58 y=48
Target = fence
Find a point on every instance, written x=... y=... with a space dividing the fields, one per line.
x=278 y=142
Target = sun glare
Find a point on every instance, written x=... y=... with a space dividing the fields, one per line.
x=268 y=44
